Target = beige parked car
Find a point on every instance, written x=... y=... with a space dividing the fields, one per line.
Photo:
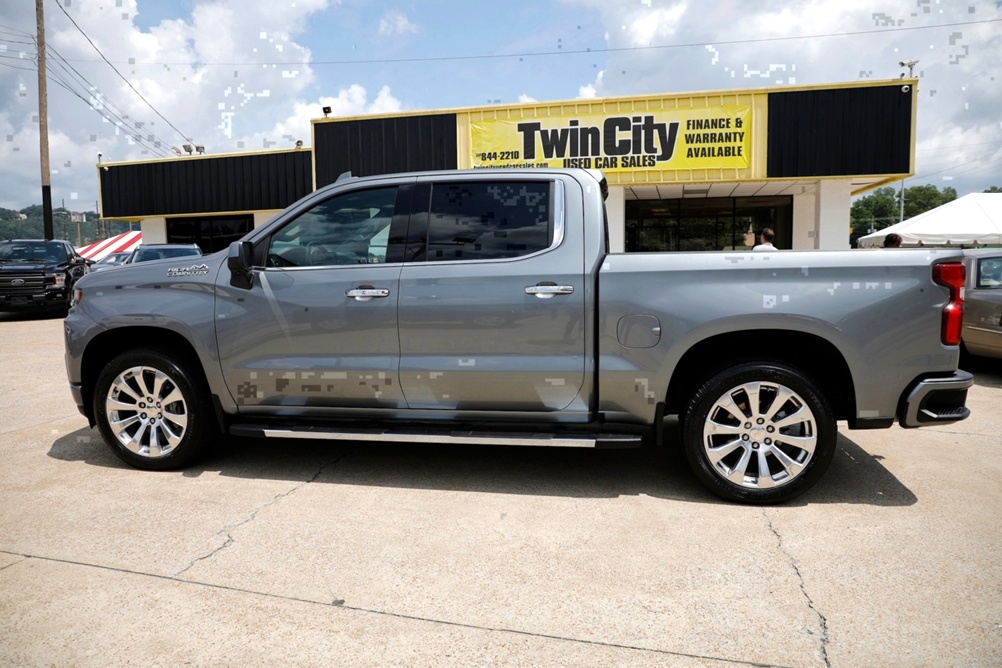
x=982 y=333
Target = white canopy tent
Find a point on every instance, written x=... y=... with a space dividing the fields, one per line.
x=971 y=220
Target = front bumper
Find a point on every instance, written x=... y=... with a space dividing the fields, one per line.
x=49 y=299
x=935 y=400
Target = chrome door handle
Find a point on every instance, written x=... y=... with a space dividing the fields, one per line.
x=366 y=292
x=549 y=291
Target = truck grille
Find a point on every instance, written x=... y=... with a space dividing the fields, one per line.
x=21 y=284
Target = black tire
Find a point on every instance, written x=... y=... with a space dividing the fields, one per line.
x=778 y=449
x=165 y=429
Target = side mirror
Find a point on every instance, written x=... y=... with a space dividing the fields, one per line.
x=239 y=261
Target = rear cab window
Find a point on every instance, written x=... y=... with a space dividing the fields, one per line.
x=989 y=272
x=481 y=220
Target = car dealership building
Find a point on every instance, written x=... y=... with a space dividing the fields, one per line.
x=690 y=171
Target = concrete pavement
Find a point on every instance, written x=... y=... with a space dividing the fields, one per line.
x=295 y=553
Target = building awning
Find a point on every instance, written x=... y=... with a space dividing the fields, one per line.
x=121 y=243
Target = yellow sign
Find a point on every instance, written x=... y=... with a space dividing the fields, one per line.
x=711 y=138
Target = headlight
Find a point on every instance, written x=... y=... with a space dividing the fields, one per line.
x=60 y=279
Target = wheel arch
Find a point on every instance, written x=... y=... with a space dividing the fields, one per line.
x=810 y=353
x=112 y=343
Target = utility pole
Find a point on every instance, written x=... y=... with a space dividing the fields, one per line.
x=902 y=197
x=43 y=124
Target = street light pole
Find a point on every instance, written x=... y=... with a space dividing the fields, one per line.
x=43 y=124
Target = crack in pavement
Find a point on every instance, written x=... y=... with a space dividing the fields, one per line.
x=822 y=620
x=250 y=518
x=339 y=605
x=15 y=563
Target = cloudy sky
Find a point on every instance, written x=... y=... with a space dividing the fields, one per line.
x=131 y=78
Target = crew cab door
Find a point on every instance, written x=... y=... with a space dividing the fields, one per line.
x=318 y=326
x=492 y=299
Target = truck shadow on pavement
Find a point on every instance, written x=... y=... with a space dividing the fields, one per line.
x=31 y=314
x=987 y=371
x=855 y=477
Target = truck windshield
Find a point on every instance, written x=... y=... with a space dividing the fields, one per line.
x=31 y=251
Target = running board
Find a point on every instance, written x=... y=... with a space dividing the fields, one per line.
x=545 y=439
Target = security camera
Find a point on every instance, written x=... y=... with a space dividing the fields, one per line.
x=905 y=88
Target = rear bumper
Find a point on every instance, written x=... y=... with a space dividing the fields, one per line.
x=937 y=400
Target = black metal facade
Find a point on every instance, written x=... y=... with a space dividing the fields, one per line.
x=384 y=146
x=839 y=132
x=236 y=183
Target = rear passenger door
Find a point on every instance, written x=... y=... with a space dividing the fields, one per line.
x=492 y=300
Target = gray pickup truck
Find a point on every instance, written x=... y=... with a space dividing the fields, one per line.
x=484 y=307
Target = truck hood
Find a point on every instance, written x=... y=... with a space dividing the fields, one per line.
x=191 y=269
x=30 y=267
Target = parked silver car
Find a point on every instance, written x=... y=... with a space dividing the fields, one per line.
x=982 y=333
x=147 y=252
x=111 y=260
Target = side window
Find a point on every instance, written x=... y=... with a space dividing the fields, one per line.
x=488 y=220
x=352 y=228
x=990 y=272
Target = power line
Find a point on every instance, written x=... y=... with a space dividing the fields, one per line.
x=61 y=61
x=963 y=164
x=565 y=52
x=14 y=31
x=110 y=117
x=15 y=67
x=183 y=136
x=72 y=80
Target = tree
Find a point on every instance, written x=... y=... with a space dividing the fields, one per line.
x=919 y=199
x=874 y=211
x=90 y=228
x=882 y=207
x=993 y=189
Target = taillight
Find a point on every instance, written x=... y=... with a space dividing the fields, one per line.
x=951 y=275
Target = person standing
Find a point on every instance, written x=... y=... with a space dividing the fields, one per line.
x=765 y=240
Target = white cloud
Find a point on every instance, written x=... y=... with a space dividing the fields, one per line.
x=731 y=44
x=214 y=77
x=524 y=99
x=351 y=101
x=236 y=75
x=395 y=22
x=654 y=26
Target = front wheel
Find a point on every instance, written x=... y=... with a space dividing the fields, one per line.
x=152 y=410
x=759 y=432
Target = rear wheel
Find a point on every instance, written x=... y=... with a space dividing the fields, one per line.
x=759 y=432
x=152 y=410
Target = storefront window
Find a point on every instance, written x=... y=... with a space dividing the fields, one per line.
x=721 y=223
x=210 y=233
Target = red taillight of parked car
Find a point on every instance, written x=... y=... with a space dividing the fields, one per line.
x=951 y=275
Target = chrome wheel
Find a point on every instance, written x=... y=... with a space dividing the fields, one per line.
x=146 y=411
x=760 y=435
x=759 y=431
